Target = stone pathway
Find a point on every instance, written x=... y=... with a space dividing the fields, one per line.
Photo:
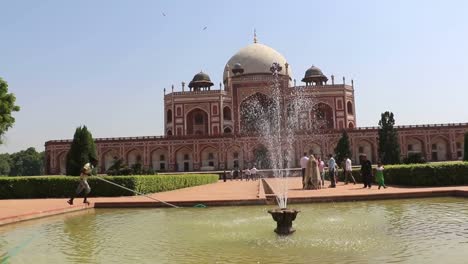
x=220 y=193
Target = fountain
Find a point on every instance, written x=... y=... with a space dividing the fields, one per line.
x=275 y=120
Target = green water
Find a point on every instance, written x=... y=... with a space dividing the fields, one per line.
x=396 y=231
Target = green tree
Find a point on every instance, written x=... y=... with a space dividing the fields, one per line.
x=81 y=150
x=5 y=164
x=7 y=106
x=389 y=147
x=465 y=151
x=343 y=148
x=27 y=162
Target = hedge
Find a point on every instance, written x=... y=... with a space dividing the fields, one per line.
x=429 y=174
x=64 y=186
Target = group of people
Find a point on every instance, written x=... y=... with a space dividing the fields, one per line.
x=248 y=174
x=313 y=172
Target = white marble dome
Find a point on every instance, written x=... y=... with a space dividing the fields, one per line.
x=257 y=58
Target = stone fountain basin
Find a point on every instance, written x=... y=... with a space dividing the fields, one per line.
x=284 y=218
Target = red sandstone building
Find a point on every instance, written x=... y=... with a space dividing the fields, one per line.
x=205 y=127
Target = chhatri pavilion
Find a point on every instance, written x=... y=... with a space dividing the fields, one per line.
x=205 y=128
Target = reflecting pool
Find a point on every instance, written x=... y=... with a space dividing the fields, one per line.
x=433 y=230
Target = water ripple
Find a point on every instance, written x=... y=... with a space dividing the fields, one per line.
x=396 y=231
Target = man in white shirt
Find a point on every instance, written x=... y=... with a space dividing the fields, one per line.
x=247 y=174
x=348 y=171
x=304 y=161
x=86 y=171
x=253 y=171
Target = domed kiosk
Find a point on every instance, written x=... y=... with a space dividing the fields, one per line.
x=314 y=76
x=201 y=81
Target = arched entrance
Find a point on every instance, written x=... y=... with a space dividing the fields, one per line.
x=322 y=116
x=257 y=113
x=197 y=122
x=159 y=159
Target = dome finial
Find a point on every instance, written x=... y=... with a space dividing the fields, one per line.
x=255 y=35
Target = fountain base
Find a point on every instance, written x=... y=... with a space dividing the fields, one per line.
x=284 y=218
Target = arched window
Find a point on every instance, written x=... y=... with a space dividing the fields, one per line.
x=169 y=132
x=227 y=130
x=169 y=116
x=350 y=107
x=350 y=125
x=227 y=113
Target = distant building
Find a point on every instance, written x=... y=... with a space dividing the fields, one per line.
x=205 y=129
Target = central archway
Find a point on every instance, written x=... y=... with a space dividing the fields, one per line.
x=256 y=112
x=197 y=122
x=322 y=116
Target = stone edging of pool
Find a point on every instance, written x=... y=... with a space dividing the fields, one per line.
x=42 y=213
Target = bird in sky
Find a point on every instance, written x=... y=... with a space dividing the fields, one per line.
x=205 y=28
x=163 y=14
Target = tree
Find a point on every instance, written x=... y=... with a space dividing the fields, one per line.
x=389 y=147
x=4 y=164
x=27 y=162
x=465 y=151
x=81 y=150
x=7 y=106
x=343 y=148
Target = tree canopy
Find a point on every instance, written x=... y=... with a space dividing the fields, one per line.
x=81 y=150
x=27 y=162
x=7 y=107
x=343 y=148
x=5 y=164
x=389 y=146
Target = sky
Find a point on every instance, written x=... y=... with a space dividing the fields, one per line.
x=104 y=64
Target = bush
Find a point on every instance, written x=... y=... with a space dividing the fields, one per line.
x=63 y=186
x=429 y=174
x=435 y=174
x=414 y=158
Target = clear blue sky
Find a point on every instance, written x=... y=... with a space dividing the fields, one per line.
x=105 y=63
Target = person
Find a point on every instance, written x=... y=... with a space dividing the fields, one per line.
x=86 y=171
x=235 y=173
x=247 y=174
x=304 y=161
x=379 y=176
x=253 y=172
x=224 y=176
x=321 y=166
x=366 y=172
x=348 y=171
x=312 y=178
x=331 y=170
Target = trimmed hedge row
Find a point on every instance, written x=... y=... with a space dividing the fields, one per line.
x=430 y=174
x=64 y=186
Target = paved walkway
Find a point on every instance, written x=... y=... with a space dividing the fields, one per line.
x=220 y=193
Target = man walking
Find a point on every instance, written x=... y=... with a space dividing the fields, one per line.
x=331 y=171
x=304 y=161
x=348 y=171
x=86 y=171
